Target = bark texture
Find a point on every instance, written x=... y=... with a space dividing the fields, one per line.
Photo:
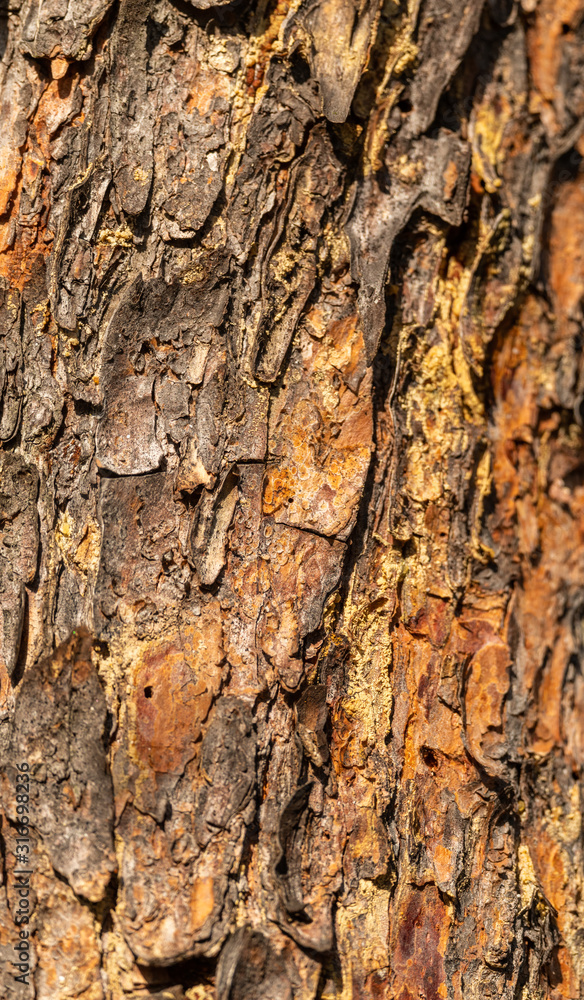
x=292 y=497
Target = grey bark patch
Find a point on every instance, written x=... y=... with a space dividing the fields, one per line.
x=138 y=520
x=291 y=834
x=54 y=28
x=126 y=440
x=208 y=536
x=19 y=485
x=227 y=765
x=190 y=160
x=58 y=728
x=445 y=29
x=288 y=272
x=132 y=115
x=11 y=375
x=433 y=176
x=340 y=34
x=250 y=969
x=311 y=718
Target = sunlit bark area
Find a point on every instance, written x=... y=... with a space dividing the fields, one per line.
x=292 y=499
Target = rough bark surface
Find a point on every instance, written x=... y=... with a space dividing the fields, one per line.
x=292 y=497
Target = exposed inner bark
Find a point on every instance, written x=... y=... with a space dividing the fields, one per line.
x=292 y=497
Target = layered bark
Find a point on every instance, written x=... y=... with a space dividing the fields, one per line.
x=292 y=501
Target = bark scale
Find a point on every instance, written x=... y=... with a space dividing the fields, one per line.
x=292 y=497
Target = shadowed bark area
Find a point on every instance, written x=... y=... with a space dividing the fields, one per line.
x=292 y=497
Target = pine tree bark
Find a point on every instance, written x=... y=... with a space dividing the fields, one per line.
x=292 y=498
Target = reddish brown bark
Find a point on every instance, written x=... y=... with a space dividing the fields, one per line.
x=291 y=509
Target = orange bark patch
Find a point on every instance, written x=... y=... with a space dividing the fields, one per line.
x=487 y=686
x=171 y=703
x=68 y=951
x=566 y=249
x=323 y=438
x=173 y=683
x=546 y=44
x=450 y=177
x=418 y=959
x=174 y=691
x=201 y=901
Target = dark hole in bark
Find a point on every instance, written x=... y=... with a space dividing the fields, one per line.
x=429 y=757
x=300 y=68
x=148 y=691
x=108 y=729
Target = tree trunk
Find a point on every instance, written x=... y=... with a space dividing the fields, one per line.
x=292 y=499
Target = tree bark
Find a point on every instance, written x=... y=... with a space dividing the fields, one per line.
x=292 y=498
